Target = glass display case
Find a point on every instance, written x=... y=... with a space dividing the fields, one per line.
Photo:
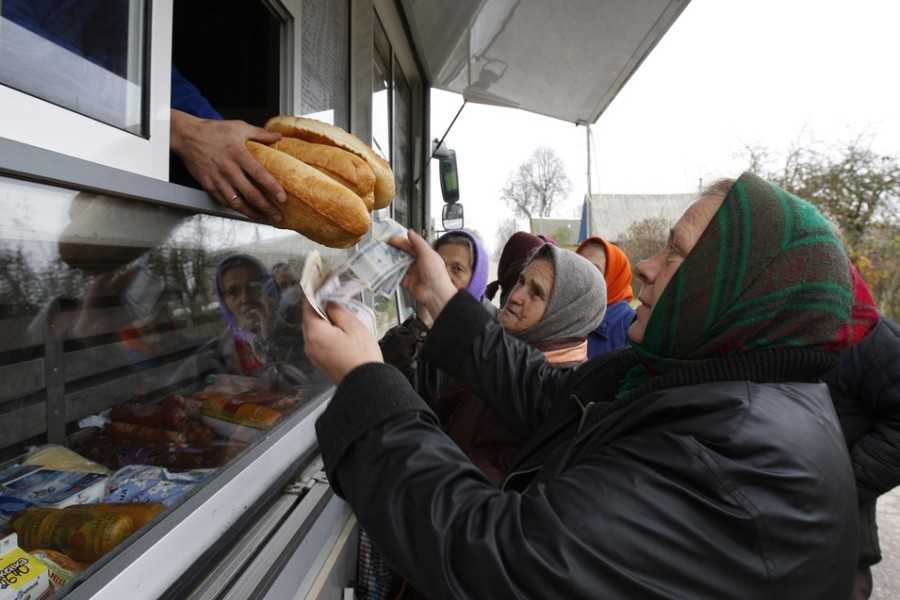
x=149 y=349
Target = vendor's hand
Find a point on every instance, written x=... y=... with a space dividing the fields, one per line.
x=338 y=348
x=215 y=154
x=426 y=279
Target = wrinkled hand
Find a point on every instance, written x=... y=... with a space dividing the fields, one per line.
x=426 y=279
x=215 y=154
x=338 y=348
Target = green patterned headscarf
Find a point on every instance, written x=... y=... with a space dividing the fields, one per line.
x=768 y=271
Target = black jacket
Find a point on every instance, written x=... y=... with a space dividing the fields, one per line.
x=865 y=388
x=701 y=485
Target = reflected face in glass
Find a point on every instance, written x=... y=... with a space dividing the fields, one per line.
x=285 y=279
x=459 y=264
x=528 y=300
x=595 y=253
x=656 y=272
x=242 y=287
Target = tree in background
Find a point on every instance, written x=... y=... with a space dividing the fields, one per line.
x=505 y=231
x=645 y=238
x=859 y=190
x=535 y=187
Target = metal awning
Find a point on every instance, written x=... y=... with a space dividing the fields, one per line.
x=565 y=59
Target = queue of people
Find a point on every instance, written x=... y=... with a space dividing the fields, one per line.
x=704 y=460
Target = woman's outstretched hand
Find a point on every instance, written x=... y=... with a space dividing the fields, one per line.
x=426 y=279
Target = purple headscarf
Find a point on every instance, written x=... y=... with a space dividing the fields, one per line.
x=478 y=283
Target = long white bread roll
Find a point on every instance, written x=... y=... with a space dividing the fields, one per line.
x=318 y=207
x=320 y=132
x=337 y=163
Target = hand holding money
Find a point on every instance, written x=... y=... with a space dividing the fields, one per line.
x=376 y=267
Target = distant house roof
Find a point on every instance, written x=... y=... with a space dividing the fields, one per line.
x=610 y=215
x=564 y=231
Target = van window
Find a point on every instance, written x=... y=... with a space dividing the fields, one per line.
x=84 y=55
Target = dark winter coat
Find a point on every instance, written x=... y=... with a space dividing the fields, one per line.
x=865 y=389
x=726 y=480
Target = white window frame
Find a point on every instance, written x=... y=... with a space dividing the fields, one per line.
x=35 y=122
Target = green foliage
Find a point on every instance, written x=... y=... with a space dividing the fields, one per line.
x=859 y=190
x=645 y=238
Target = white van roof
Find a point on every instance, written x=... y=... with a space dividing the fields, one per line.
x=560 y=58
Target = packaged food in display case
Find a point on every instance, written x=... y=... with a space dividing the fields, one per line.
x=22 y=576
x=56 y=489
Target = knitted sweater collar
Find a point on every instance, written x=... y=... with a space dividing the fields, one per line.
x=599 y=380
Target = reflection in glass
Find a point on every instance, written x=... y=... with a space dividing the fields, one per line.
x=403 y=149
x=136 y=340
x=84 y=55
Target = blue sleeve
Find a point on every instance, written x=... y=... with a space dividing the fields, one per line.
x=187 y=98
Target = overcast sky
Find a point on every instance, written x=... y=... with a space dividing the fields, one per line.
x=729 y=73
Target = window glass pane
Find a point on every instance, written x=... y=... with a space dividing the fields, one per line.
x=381 y=73
x=386 y=309
x=326 y=61
x=84 y=55
x=403 y=136
x=145 y=338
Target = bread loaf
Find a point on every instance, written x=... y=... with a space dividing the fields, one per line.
x=345 y=167
x=320 y=132
x=318 y=206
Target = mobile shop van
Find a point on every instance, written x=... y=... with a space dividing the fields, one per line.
x=90 y=192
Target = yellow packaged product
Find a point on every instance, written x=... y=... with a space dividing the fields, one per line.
x=22 y=576
x=141 y=513
x=60 y=458
x=82 y=535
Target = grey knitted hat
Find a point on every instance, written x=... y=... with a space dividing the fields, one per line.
x=577 y=301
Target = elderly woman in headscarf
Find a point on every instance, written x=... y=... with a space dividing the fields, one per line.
x=516 y=253
x=247 y=300
x=264 y=322
x=609 y=259
x=706 y=461
x=556 y=301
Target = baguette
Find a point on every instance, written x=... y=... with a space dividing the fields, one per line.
x=318 y=207
x=320 y=132
x=337 y=163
